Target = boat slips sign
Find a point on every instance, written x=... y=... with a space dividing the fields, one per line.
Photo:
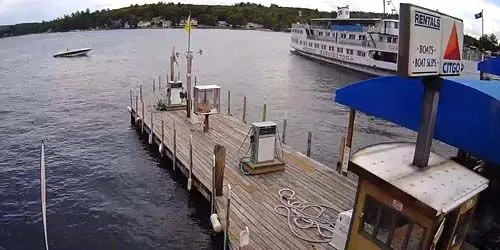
x=430 y=42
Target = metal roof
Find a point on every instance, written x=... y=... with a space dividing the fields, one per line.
x=468 y=114
x=442 y=186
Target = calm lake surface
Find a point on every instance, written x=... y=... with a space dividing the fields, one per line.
x=106 y=188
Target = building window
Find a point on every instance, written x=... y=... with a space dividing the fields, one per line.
x=340 y=50
x=388 y=227
x=352 y=36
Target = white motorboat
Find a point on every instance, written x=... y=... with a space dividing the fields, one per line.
x=73 y=53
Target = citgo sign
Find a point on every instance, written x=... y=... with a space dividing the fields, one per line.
x=430 y=42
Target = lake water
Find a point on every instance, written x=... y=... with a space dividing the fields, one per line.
x=106 y=188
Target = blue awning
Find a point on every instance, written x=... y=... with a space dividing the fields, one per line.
x=490 y=66
x=468 y=112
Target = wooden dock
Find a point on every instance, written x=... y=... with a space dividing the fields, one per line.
x=253 y=198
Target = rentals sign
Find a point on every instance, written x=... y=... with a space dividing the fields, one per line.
x=430 y=42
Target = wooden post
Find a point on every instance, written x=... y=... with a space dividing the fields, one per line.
x=228 y=102
x=212 y=200
x=283 y=134
x=228 y=208
x=206 y=125
x=244 y=109
x=309 y=137
x=136 y=105
x=341 y=154
x=131 y=108
x=159 y=83
x=195 y=80
x=189 y=184
x=161 y=141
x=151 y=133
x=142 y=120
x=131 y=100
x=154 y=90
x=346 y=147
x=264 y=112
x=220 y=165
x=174 y=153
x=427 y=121
x=140 y=92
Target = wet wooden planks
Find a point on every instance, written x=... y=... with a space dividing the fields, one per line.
x=253 y=198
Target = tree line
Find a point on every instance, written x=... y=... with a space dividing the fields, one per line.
x=273 y=17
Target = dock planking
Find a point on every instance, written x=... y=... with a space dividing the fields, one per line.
x=253 y=198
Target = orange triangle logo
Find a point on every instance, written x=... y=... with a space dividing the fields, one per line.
x=453 y=49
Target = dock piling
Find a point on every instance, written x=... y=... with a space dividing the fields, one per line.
x=264 y=112
x=161 y=141
x=212 y=195
x=341 y=154
x=131 y=108
x=220 y=165
x=244 y=109
x=140 y=92
x=136 y=104
x=283 y=134
x=226 y=225
x=142 y=115
x=151 y=129
x=189 y=184
x=229 y=102
x=309 y=137
x=347 y=144
x=174 y=156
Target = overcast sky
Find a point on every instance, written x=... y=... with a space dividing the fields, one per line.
x=17 y=11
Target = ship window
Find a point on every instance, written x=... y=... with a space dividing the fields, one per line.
x=380 y=38
x=388 y=228
x=389 y=39
x=320 y=33
x=395 y=40
x=352 y=36
x=340 y=50
x=327 y=34
x=343 y=35
x=316 y=46
x=396 y=25
x=362 y=37
x=349 y=51
x=323 y=47
x=361 y=53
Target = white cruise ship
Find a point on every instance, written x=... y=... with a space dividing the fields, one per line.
x=368 y=45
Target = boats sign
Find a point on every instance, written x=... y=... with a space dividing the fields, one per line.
x=430 y=42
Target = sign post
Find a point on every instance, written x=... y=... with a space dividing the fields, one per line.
x=430 y=47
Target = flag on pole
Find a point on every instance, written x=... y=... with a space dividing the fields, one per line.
x=479 y=15
x=187 y=26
